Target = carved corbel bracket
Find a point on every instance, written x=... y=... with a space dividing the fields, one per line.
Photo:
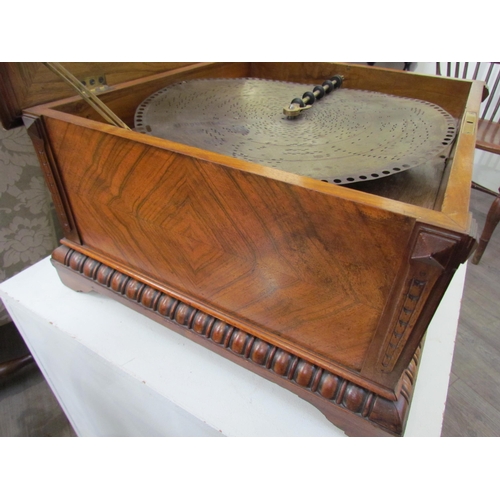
x=432 y=260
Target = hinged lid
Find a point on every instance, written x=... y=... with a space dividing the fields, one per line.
x=23 y=85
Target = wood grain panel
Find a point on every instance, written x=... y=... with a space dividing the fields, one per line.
x=302 y=265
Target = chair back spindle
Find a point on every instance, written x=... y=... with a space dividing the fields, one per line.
x=488 y=132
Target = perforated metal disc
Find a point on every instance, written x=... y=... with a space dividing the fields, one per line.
x=347 y=136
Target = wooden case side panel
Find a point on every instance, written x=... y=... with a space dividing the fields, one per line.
x=306 y=268
x=450 y=94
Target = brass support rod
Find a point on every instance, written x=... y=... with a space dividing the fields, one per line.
x=86 y=94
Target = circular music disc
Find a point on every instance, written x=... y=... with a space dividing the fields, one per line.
x=347 y=136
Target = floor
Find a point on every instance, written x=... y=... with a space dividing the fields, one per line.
x=473 y=404
x=28 y=407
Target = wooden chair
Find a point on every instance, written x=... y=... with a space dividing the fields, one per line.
x=14 y=347
x=7 y=368
x=486 y=176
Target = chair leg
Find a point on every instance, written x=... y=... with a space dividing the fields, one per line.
x=9 y=367
x=492 y=220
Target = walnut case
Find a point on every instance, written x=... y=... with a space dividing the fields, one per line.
x=326 y=290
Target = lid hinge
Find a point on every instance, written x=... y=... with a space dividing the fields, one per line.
x=96 y=84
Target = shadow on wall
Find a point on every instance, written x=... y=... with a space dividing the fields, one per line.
x=28 y=228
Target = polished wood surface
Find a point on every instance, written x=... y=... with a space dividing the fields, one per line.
x=344 y=280
x=275 y=259
x=245 y=245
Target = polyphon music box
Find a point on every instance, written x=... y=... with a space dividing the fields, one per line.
x=301 y=219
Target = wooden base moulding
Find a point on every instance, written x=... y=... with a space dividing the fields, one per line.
x=356 y=410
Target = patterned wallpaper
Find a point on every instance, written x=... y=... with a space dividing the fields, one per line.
x=27 y=225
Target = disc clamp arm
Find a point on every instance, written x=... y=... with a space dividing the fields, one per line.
x=308 y=98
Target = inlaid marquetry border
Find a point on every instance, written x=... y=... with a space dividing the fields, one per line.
x=355 y=409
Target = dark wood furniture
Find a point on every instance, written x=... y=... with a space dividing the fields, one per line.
x=491 y=223
x=488 y=134
x=14 y=355
x=324 y=289
x=7 y=368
